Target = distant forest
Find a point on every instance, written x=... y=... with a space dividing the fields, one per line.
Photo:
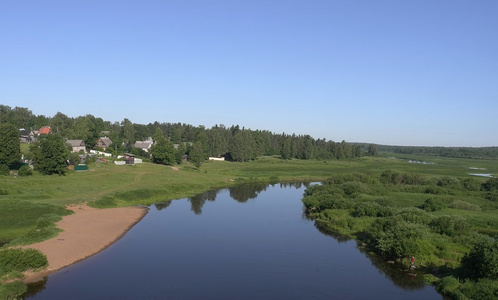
x=234 y=142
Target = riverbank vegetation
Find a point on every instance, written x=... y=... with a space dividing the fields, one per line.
x=448 y=223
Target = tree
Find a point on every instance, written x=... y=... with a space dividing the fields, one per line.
x=197 y=154
x=372 y=150
x=10 y=149
x=242 y=148
x=163 y=151
x=51 y=159
x=128 y=131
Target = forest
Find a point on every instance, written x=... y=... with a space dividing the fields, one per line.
x=234 y=143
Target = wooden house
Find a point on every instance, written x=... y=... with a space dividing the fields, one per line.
x=104 y=142
x=77 y=145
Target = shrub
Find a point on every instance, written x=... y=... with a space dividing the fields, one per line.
x=432 y=204
x=448 y=285
x=450 y=225
x=490 y=185
x=370 y=209
x=20 y=260
x=482 y=260
x=413 y=215
x=464 y=205
x=12 y=290
x=103 y=202
x=448 y=182
x=354 y=188
x=484 y=289
x=470 y=184
x=25 y=171
x=4 y=170
x=435 y=190
x=492 y=196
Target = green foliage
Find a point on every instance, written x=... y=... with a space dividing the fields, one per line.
x=371 y=209
x=51 y=159
x=197 y=154
x=25 y=171
x=12 y=290
x=353 y=188
x=490 y=185
x=450 y=286
x=403 y=240
x=470 y=184
x=433 y=204
x=484 y=289
x=482 y=260
x=4 y=170
x=10 y=150
x=450 y=225
x=26 y=222
x=464 y=205
x=104 y=202
x=163 y=151
x=20 y=260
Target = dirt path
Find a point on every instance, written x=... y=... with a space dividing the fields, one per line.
x=85 y=233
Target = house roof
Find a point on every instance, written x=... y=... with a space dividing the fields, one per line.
x=143 y=144
x=75 y=143
x=24 y=132
x=106 y=141
x=44 y=130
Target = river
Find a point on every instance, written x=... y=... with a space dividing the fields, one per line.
x=246 y=242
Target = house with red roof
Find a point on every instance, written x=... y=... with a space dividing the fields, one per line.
x=44 y=130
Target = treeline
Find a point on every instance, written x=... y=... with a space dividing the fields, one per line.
x=233 y=143
x=456 y=152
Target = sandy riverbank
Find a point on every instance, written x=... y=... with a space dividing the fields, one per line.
x=85 y=233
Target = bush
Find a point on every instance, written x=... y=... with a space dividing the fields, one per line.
x=490 y=185
x=464 y=205
x=104 y=202
x=25 y=171
x=449 y=286
x=4 y=170
x=448 y=182
x=400 y=239
x=413 y=215
x=470 y=184
x=492 y=196
x=484 y=289
x=450 y=225
x=20 y=260
x=12 y=290
x=432 y=204
x=482 y=260
x=371 y=209
x=353 y=188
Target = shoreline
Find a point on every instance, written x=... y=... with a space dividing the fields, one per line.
x=86 y=232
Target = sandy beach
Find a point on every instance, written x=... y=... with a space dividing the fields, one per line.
x=85 y=233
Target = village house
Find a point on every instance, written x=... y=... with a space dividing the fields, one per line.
x=104 y=142
x=26 y=136
x=144 y=145
x=77 y=145
x=44 y=130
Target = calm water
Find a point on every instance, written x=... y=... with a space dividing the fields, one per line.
x=250 y=242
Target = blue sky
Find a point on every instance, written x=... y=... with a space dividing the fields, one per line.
x=387 y=72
